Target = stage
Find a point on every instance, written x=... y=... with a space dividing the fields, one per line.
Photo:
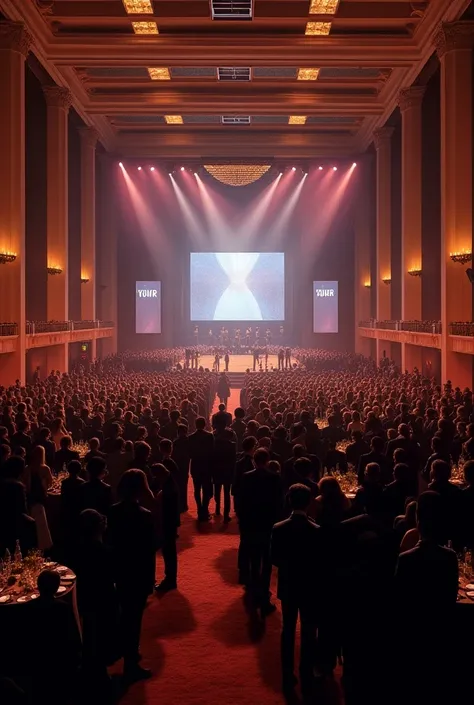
x=239 y=363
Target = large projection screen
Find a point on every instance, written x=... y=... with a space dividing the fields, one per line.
x=325 y=307
x=237 y=286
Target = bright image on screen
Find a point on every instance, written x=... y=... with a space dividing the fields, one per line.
x=148 y=307
x=325 y=307
x=237 y=286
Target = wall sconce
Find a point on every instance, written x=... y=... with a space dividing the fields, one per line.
x=7 y=257
x=84 y=280
x=367 y=285
x=461 y=257
x=54 y=270
x=387 y=280
x=415 y=272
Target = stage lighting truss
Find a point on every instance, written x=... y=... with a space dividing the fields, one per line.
x=237 y=174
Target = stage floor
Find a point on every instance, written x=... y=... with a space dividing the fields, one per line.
x=239 y=363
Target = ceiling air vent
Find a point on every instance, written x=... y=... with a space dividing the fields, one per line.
x=236 y=119
x=233 y=74
x=231 y=9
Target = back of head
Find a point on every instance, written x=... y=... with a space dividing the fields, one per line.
x=166 y=446
x=404 y=430
x=141 y=451
x=372 y=472
x=249 y=443
x=261 y=458
x=182 y=430
x=74 y=468
x=400 y=456
x=13 y=468
x=48 y=583
x=65 y=443
x=96 y=468
x=298 y=451
x=91 y=524
x=440 y=471
x=377 y=444
x=299 y=497
x=200 y=423
x=401 y=472
x=132 y=485
x=303 y=467
x=239 y=413
x=221 y=407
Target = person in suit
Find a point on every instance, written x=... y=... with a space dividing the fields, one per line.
x=221 y=419
x=356 y=449
x=180 y=455
x=376 y=455
x=296 y=546
x=223 y=468
x=15 y=523
x=467 y=506
x=132 y=538
x=226 y=361
x=452 y=502
x=223 y=388
x=201 y=447
x=397 y=492
x=48 y=445
x=64 y=455
x=95 y=493
x=259 y=506
x=165 y=485
x=244 y=464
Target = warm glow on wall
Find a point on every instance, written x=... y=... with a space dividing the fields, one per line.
x=367 y=284
x=387 y=279
x=323 y=7
x=145 y=27
x=415 y=272
x=174 y=119
x=138 y=7
x=317 y=29
x=159 y=74
x=297 y=120
x=308 y=74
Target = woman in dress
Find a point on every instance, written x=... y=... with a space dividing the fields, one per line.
x=38 y=480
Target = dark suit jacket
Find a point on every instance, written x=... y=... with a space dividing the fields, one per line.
x=382 y=462
x=244 y=464
x=201 y=447
x=63 y=457
x=97 y=495
x=259 y=501
x=296 y=552
x=131 y=536
x=427 y=576
x=223 y=461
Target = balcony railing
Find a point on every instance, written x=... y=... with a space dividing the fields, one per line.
x=464 y=328
x=433 y=327
x=8 y=329
x=35 y=327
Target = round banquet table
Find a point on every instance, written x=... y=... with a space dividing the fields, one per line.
x=15 y=605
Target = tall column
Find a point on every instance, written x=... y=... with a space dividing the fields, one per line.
x=363 y=276
x=410 y=101
x=454 y=43
x=382 y=141
x=58 y=101
x=15 y=42
x=107 y=249
x=88 y=259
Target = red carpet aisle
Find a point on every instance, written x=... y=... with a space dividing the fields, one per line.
x=202 y=644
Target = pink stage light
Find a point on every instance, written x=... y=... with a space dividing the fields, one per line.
x=334 y=168
x=152 y=168
x=121 y=165
x=293 y=168
x=182 y=168
x=139 y=168
x=320 y=168
x=354 y=164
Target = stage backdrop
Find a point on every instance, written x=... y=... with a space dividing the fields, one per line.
x=164 y=219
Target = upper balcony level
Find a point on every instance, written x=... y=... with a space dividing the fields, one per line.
x=45 y=333
x=422 y=333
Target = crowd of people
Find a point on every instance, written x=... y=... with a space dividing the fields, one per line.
x=373 y=578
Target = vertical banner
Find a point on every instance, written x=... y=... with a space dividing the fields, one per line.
x=325 y=307
x=148 y=307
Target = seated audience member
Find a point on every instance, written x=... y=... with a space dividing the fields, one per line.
x=369 y=497
x=296 y=550
x=451 y=501
x=94 y=450
x=376 y=455
x=64 y=455
x=336 y=460
x=53 y=644
x=467 y=506
x=95 y=493
x=132 y=538
x=332 y=505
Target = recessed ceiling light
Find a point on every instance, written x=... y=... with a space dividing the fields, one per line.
x=308 y=74
x=138 y=7
x=297 y=120
x=145 y=27
x=323 y=7
x=159 y=74
x=174 y=119
x=317 y=29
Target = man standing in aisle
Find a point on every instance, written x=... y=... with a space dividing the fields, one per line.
x=201 y=447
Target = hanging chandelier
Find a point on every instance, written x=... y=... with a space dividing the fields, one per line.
x=237 y=174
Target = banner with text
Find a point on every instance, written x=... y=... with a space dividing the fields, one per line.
x=325 y=307
x=148 y=307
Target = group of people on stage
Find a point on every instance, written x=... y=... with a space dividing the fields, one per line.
x=239 y=340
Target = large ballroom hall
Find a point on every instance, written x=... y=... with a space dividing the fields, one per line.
x=236 y=352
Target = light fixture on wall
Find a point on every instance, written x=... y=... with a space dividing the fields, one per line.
x=84 y=280
x=387 y=280
x=367 y=284
x=461 y=257
x=415 y=272
x=7 y=257
x=54 y=270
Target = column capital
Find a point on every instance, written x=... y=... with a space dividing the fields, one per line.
x=411 y=97
x=454 y=36
x=382 y=136
x=89 y=135
x=58 y=97
x=15 y=37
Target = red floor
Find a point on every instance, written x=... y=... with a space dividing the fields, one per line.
x=201 y=643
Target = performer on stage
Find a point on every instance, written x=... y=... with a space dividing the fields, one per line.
x=196 y=335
